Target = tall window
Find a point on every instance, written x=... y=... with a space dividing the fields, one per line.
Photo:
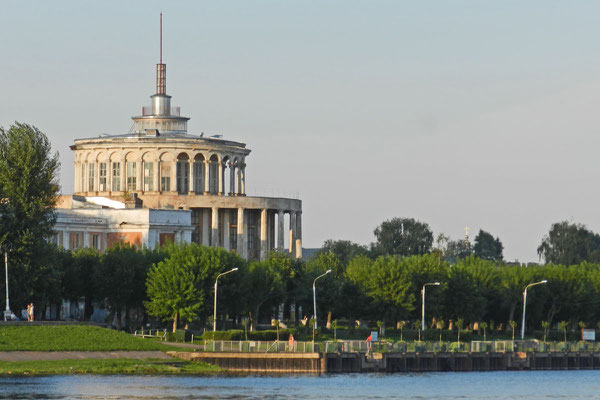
x=198 y=177
x=75 y=240
x=102 y=177
x=165 y=177
x=148 y=176
x=91 y=176
x=183 y=177
x=116 y=176
x=131 y=175
x=96 y=241
x=214 y=177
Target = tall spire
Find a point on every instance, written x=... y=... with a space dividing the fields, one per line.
x=161 y=69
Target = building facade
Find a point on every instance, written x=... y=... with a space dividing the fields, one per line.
x=161 y=168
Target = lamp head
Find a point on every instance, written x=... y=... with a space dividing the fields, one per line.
x=544 y=281
x=235 y=269
x=328 y=271
x=436 y=283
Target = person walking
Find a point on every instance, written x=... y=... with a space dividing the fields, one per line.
x=28 y=313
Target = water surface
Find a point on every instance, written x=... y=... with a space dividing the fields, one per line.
x=447 y=386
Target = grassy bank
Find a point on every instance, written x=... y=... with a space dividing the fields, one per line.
x=72 y=338
x=107 y=367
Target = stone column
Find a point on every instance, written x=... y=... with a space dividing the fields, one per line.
x=241 y=234
x=191 y=177
x=231 y=178
x=140 y=174
x=280 y=218
x=66 y=242
x=238 y=173
x=292 y=232
x=299 y=234
x=206 y=176
x=226 y=227
x=263 y=234
x=243 y=181
x=156 y=177
x=205 y=227
x=174 y=175
x=123 y=172
x=220 y=178
x=215 y=227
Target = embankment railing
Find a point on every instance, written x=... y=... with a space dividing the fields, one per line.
x=499 y=346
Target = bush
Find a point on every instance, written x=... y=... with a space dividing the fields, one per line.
x=269 y=335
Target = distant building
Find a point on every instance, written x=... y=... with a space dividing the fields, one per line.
x=171 y=184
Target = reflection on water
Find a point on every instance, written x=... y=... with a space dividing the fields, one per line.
x=442 y=386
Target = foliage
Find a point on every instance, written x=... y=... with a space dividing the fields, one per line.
x=487 y=248
x=403 y=237
x=173 y=289
x=570 y=243
x=28 y=192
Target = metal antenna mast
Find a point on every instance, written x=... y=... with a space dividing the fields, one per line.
x=161 y=69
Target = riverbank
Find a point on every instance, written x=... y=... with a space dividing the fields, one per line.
x=117 y=366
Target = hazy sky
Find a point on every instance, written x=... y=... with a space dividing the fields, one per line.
x=457 y=113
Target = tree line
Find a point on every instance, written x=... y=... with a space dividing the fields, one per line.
x=377 y=282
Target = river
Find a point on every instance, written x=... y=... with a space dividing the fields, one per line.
x=571 y=385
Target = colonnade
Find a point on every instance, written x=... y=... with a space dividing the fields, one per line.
x=258 y=233
x=181 y=176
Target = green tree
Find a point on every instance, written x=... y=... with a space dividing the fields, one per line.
x=173 y=292
x=456 y=250
x=563 y=326
x=266 y=284
x=545 y=325
x=403 y=237
x=488 y=248
x=484 y=326
x=117 y=279
x=344 y=250
x=28 y=192
x=570 y=243
x=78 y=267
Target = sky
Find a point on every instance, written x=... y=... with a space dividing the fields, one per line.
x=461 y=113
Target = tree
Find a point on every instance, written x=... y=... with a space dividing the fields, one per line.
x=117 y=279
x=28 y=192
x=344 y=250
x=456 y=250
x=484 y=326
x=403 y=237
x=563 y=326
x=173 y=291
x=266 y=283
x=488 y=248
x=545 y=325
x=569 y=244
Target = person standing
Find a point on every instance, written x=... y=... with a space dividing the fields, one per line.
x=31 y=312
x=28 y=312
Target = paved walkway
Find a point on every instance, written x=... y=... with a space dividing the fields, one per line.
x=68 y=355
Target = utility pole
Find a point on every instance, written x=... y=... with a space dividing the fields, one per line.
x=7 y=312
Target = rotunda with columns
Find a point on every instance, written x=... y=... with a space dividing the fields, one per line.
x=159 y=165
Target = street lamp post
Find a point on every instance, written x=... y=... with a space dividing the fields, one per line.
x=315 y=297
x=215 y=310
x=423 y=302
x=7 y=312
x=525 y=305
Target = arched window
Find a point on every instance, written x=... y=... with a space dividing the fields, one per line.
x=199 y=174
x=183 y=174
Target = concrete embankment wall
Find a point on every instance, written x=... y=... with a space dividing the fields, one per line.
x=392 y=362
x=259 y=362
